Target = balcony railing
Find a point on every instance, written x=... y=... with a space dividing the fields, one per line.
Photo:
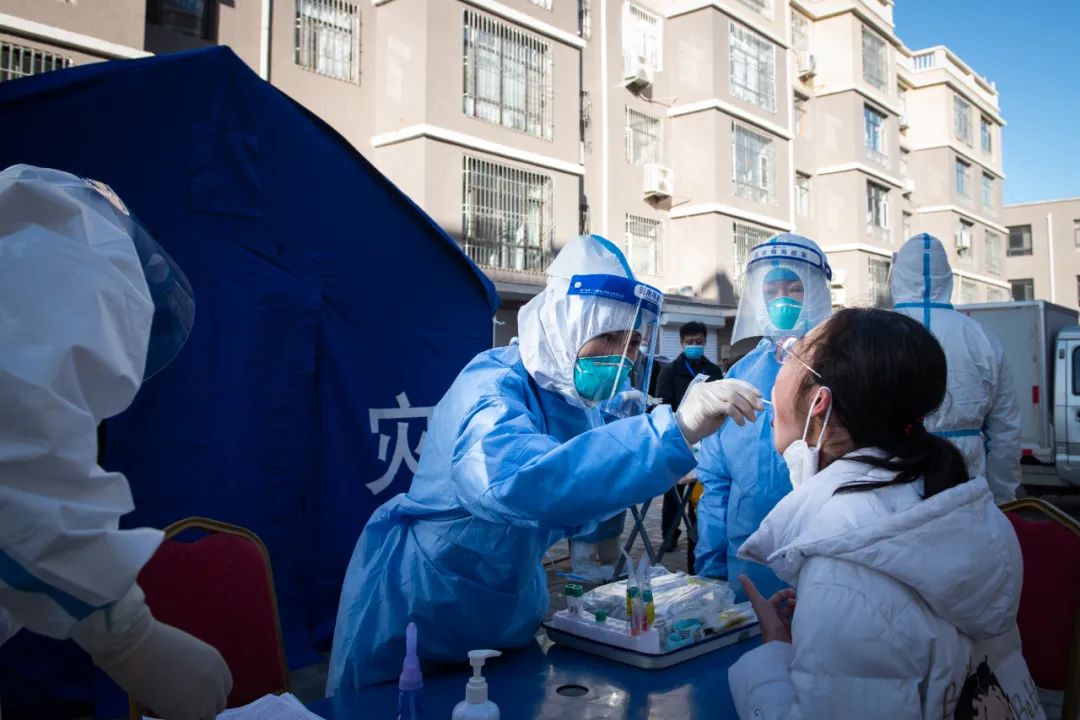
x=510 y=256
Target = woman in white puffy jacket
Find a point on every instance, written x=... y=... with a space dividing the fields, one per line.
x=906 y=573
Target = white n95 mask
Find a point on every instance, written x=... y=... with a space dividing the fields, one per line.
x=801 y=459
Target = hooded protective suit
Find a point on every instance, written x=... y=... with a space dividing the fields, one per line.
x=900 y=600
x=979 y=414
x=89 y=305
x=743 y=475
x=513 y=461
x=75 y=315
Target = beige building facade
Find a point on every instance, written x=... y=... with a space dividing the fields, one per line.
x=1043 y=257
x=686 y=131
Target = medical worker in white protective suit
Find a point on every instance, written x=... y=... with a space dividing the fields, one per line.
x=516 y=457
x=89 y=305
x=980 y=414
x=785 y=295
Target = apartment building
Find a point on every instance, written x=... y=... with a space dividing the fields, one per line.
x=1042 y=261
x=686 y=131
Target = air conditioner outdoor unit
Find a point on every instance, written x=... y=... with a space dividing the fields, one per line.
x=839 y=296
x=659 y=181
x=904 y=122
x=963 y=240
x=838 y=278
x=909 y=185
x=637 y=73
x=807 y=64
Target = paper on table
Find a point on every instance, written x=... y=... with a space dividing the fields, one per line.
x=269 y=707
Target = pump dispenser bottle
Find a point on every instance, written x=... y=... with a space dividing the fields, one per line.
x=476 y=705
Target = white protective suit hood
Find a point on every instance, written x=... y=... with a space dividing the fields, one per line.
x=75 y=319
x=797 y=257
x=956 y=550
x=554 y=325
x=921 y=273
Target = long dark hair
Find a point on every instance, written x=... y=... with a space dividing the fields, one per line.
x=886 y=373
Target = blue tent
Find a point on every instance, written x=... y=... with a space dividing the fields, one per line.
x=331 y=315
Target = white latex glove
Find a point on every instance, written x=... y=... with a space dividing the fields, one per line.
x=707 y=404
x=168 y=671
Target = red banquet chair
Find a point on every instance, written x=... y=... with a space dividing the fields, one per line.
x=1049 y=616
x=220 y=588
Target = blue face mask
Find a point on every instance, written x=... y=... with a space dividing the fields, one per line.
x=597 y=378
x=784 y=312
x=694 y=352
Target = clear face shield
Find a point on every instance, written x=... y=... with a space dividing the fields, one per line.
x=174 y=303
x=785 y=294
x=613 y=369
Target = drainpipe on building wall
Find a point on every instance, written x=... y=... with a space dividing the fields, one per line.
x=264 y=42
x=604 y=120
x=1050 y=242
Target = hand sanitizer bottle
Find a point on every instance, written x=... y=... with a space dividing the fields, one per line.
x=476 y=705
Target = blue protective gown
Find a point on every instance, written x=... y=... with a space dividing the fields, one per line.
x=744 y=478
x=507 y=469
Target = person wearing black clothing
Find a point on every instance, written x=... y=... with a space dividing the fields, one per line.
x=671 y=385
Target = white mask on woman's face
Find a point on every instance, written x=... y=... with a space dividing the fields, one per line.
x=801 y=459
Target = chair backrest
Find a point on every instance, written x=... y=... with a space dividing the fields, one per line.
x=220 y=588
x=1049 y=616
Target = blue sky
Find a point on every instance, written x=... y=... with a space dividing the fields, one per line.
x=1032 y=51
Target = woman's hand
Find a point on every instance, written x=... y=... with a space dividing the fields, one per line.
x=775 y=614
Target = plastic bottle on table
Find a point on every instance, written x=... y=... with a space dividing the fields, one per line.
x=476 y=705
x=410 y=682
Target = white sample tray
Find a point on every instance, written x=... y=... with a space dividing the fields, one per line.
x=611 y=639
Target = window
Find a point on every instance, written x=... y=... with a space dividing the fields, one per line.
x=328 y=38
x=1019 y=240
x=1023 y=289
x=584 y=14
x=985 y=133
x=586 y=121
x=996 y=294
x=800 y=116
x=962 y=119
x=800 y=35
x=874 y=65
x=642 y=35
x=969 y=292
x=186 y=17
x=993 y=253
x=584 y=219
x=643 y=138
x=759 y=6
x=506 y=216
x=753 y=166
x=746 y=238
x=907 y=225
x=644 y=240
x=1076 y=233
x=802 y=194
x=1076 y=371
x=18 y=61
x=879 y=283
x=753 y=69
x=874 y=131
x=963 y=169
x=988 y=190
x=877 y=205
x=507 y=76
